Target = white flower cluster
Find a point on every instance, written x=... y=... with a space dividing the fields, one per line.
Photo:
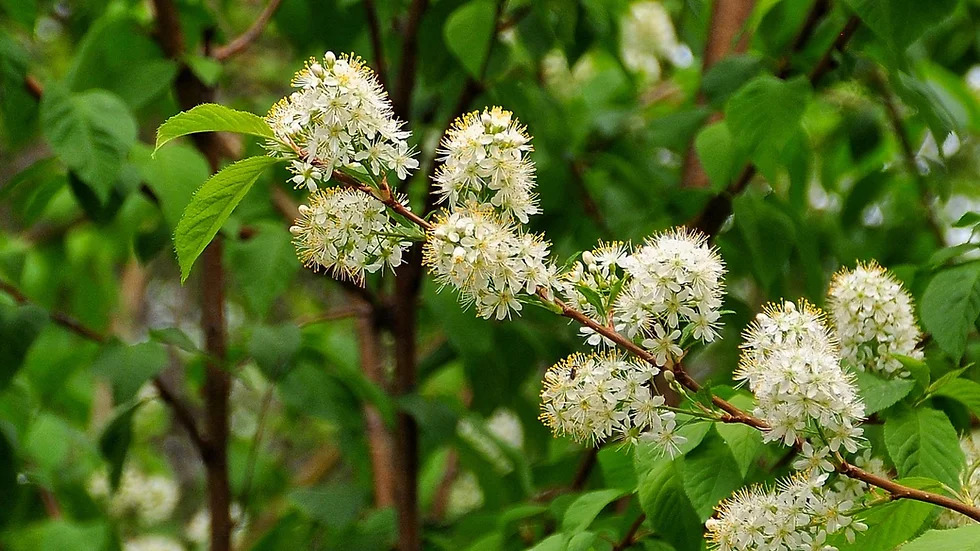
x=485 y=160
x=153 y=543
x=592 y=279
x=647 y=36
x=676 y=279
x=603 y=395
x=149 y=499
x=874 y=318
x=969 y=490
x=792 y=366
x=340 y=117
x=348 y=232
x=798 y=514
x=198 y=529
x=490 y=262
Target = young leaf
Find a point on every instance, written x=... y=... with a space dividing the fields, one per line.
x=211 y=117
x=950 y=307
x=212 y=205
x=922 y=442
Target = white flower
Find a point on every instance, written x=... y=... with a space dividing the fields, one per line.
x=874 y=318
x=153 y=543
x=646 y=37
x=485 y=159
x=490 y=262
x=791 y=364
x=797 y=514
x=149 y=499
x=339 y=117
x=969 y=482
x=198 y=528
x=348 y=232
x=675 y=279
x=604 y=395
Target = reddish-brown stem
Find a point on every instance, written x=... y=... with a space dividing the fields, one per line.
x=733 y=414
x=244 y=40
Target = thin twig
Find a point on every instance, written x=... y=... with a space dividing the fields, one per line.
x=244 y=40
x=182 y=411
x=402 y=97
x=732 y=414
x=908 y=154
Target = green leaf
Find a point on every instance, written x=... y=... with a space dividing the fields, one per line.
x=468 y=32
x=649 y=454
x=274 y=348
x=616 y=464
x=119 y=56
x=128 y=367
x=744 y=443
x=964 y=538
x=586 y=508
x=175 y=337
x=716 y=151
x=91 y=132
x=263 y=266
x=710 y=474
x=878 y=393
x=766 y=112
x=19 y=326
x=950 y=307
x=211 y=117
x=889 y=525
x=211 y=205
x=668 y=508
x=583 y=541
x=965 y=391
x=115 y=439
x=922 y=442
x=173 y=174
x=919 y=369
x=898 y=23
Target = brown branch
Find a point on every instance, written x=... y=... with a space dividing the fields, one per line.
x=33 y=86
x=733 y=414
x=191 y=91
x=379 y=438
x=402 y=96
x=630 y=537
x=182 y=412
x=377 y=43
x=717 y=210
x=244 y=40
x=585 y=467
